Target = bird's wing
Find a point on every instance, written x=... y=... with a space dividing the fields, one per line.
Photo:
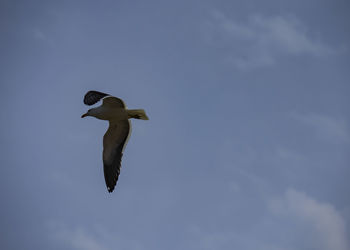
x=93 y=96
x=114 y=142
x=113 y=102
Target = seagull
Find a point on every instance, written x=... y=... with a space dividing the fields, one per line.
x=115 y=139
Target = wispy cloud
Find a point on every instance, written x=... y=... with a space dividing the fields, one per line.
x=75 y=238
x=324 y=219
x=260 y=40
x=325 y=126
x=233 y=239
x=40 y=35
x=96 y=237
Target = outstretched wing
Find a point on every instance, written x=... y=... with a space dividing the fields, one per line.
x=113 y=102
x=114 y=142
x=93 y=96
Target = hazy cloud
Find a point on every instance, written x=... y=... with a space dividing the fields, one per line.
x=324 y=219
x=325 y=126
x=262 y=39
x=75 y=238
x=92 y=237
x=40 y=35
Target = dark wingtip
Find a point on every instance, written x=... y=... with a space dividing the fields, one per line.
x=93 y=96
x=111 y=177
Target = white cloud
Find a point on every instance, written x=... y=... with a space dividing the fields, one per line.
x=261 y=40
x=96 y=237
x=234 y=186
x=323 y=218
x=38 y=34
x=288 y=34
x=328 y=127
x=225 y=240
x=80 y=239
x=41 y=36
x=75 y=238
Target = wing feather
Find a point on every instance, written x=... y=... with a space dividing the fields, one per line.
x=113 y=102
x=114 y=142
x=93 y=96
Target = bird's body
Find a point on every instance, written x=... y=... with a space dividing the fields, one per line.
x=115 y=139
x=109 y=113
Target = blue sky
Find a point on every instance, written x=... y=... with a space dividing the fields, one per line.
x=247 y=146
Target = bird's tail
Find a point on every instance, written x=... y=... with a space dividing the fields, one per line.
x=137 y=114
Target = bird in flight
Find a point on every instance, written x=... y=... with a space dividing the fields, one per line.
x=115 y=139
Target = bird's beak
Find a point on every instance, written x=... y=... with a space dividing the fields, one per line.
x=84 y=115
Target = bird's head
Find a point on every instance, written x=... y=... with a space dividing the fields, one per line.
x=88 y=113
